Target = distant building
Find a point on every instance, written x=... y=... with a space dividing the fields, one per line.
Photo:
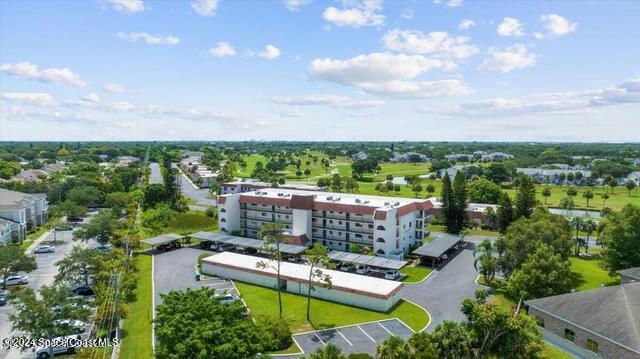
x=459 y=156
x=635 y=177
x=20 y=210
x=557 y=176
x=491 y=156
x=199 y=174
x=476 y=212
x=30 y=175
x=451 y=171
x=250 y=185
x=359 y=156
x=406 y=157
x=601 y=322
x=124 y=161
x=629 y=275
x=198 y=154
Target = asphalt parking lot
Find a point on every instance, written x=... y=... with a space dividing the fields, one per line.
x=360 y=338
x=175 y=270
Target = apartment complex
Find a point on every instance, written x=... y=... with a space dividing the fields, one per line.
x=250 y=185
x=20 y=210
x=337 y=220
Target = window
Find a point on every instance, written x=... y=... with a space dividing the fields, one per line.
x=569 y=334
x=592 y=345
x=380 y=228
x=223 y=229
x=380 y=240
x=380 y=251
x=223 y=210
x=223 y=219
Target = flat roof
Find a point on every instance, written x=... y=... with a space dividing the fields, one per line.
x=437 y=247
x=246 y=242
x=162 y=239
x=372 y=261
x=341 y=281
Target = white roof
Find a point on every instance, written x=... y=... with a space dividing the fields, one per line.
x=339 y=198
x=342 y=281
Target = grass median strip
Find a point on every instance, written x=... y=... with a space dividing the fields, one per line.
x=136 y=329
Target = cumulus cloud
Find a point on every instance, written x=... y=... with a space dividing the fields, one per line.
x=36 y=98
x=112 y=88
x=437 y=44
x=294 y=5
x=388 y=74
x=91 y=97
x=466 y=24
x=331 y=100
x=270 y=52
x=449 y=3
x=222 y=49
x=510 y=27
x=357 y=13
x=290 y=112
x=55 y=75
x=205 y=7
x=512 y=58
x=127 y=6
x=557 y=25
x=150 y=39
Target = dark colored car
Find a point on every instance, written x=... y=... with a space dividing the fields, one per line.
x=3 y=298
x=83 y=290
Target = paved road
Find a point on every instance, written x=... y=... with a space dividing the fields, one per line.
x=199 y=195
x=156 y=174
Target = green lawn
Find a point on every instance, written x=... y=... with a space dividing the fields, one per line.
x=551 y=352
x=186 y=223
x=324 y=314
x=415 y=274
x=290 y=172
x=589 y=275
x=136 y=328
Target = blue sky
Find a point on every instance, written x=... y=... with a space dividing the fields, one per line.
x=319 y=70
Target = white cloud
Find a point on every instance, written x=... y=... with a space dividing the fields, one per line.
x=510 y=27
x=112 y=88
x=290 y=112
x=222 y=49
x=270 y=52
x=407 y=14
x=512 y=58
x=294 y=5
x=36 y=98
x=356 y=14
x=127 y=6
x=538 y=35
x=558 y=25
x=466 y=24
x=438 y=44
x=388 y=74
x=91 y=97
x=55 y=75
x=449 y=3
x=150 y=39
x=627 y=92
x=331 y=100
x=205 y=7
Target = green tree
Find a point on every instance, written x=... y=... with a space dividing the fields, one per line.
x=544 y=274
x=621 y=240
x=571 y=191
x=460 y=201
x=448 y=204
x=393 y=348
x=630 y=185
x=482 y=190
x=318 y=255
x=336 y=183
x=70 y=209
x=589 y=226
x=13 y=259
x=577 y=223
x=272 y=234
x=605 y=197
x=351 y=185
x=567 y=203
x=525 y=197
x=397 y=189
x=299 y=173
x=430 y=189
x=80 y=264
x=497 y=173
x=102 y=227
x=158 y=218
x=329 y=351
x=416 y=189
x=485 y=259
x=451 y=340
x=505 y=213
x=194 y=324
x=588 y=195
x=86 y=196
x=546 y=193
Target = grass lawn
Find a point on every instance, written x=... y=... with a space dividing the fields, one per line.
x=589 y=275
x=415 y=274
x=551 y=352
x=324 y=314
x=186 y=223
x=136 y=328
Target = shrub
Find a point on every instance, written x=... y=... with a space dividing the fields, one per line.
x=210 y=211
x=277 y=334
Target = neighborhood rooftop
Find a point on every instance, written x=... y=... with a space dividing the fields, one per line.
x=436 y=247
x=362 y=259
x=245 y=242
x=162 y=239
x=631 y=273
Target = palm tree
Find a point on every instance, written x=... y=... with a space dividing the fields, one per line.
x=484 y=256
x=393 y=348
x=589 y=226
x=577 y=223
x=605 y=197
x=587 y=195
x=546 y=192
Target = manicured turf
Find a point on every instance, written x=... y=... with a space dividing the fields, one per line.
x=324 y=314
x=136 y=329
x=186 y=223
x=415 y=274
x=551 y=352
x=588 y=274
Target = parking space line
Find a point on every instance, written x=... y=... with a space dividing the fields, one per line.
x=365 y=333
x=345 y=338
x=383 y=327
x=320 y=339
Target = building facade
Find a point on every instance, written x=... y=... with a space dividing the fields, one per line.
x=250 y=185
x=336 y=220
x=22 y=211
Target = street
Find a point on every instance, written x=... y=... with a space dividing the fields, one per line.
x=156 y=174
x=199 y=195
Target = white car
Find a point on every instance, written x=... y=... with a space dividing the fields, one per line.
x=44 y=249
x=362 y=269
x=49 y=352
x=15 y=280
x=391 y=274
x=227 y=299
x=78 y=325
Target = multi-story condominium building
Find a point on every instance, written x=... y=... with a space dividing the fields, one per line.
x=337 y=220
x=250 y=185
x=22 y=210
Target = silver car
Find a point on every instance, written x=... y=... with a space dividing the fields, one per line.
x=44 y=249
x=15 y=280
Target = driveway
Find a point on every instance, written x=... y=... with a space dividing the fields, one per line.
x=199 y=195
x=156 y=175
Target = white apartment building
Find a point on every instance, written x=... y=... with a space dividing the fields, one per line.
x=20 y=209
x=337 y=220
x=251 y=185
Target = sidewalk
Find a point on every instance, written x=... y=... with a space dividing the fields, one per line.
x=39 y=240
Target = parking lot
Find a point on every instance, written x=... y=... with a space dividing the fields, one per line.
x=361 y=338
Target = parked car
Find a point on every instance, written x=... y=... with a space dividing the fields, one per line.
x=15 y=280
x=227 y=299
x=346 y=267
x=444 y=257
x=44 y=249
x=169 y=246
x=362 y=269
x=49 y=352
x=77 y=325
x=3 y=297
x=391 y=274
x=83 y=290
x=103 y=248
x=219 y=247
x=64 y=227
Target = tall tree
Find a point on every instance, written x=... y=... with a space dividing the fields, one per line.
x=13 y=259
x=102 y=227
x=621 y=239
x=544 y=274
x=393 y=347
x=588 y=195
x=416 y=189
x=485 y=259
x=460 y=201
x=272 y=235
x=318 y=255
x=448 y=204
x=630 y=185
x=546 y=193
x=505 y=212
x=577 y=223
x=80 y=264
x=525 y=197
x=589 y=226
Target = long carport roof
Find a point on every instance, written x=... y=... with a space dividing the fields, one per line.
x=245 y=242
x=437 y=247
x=363 y=259
x=162 y=239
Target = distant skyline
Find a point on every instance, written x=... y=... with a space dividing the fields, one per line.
x=298 y=70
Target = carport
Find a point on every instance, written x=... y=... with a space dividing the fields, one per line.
x=363 y=259
x=170 y=239
x=242 y=242
x=434 y=250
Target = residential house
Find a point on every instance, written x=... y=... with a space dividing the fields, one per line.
x=557 y=176
x=359 y=156
x=597 y=323
x=635 y=177
x=629 y=275
x=451 y=171
x=31 y=175
x=406 y=157
x=495 y=156
x=465 y=157
x=23 y=210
